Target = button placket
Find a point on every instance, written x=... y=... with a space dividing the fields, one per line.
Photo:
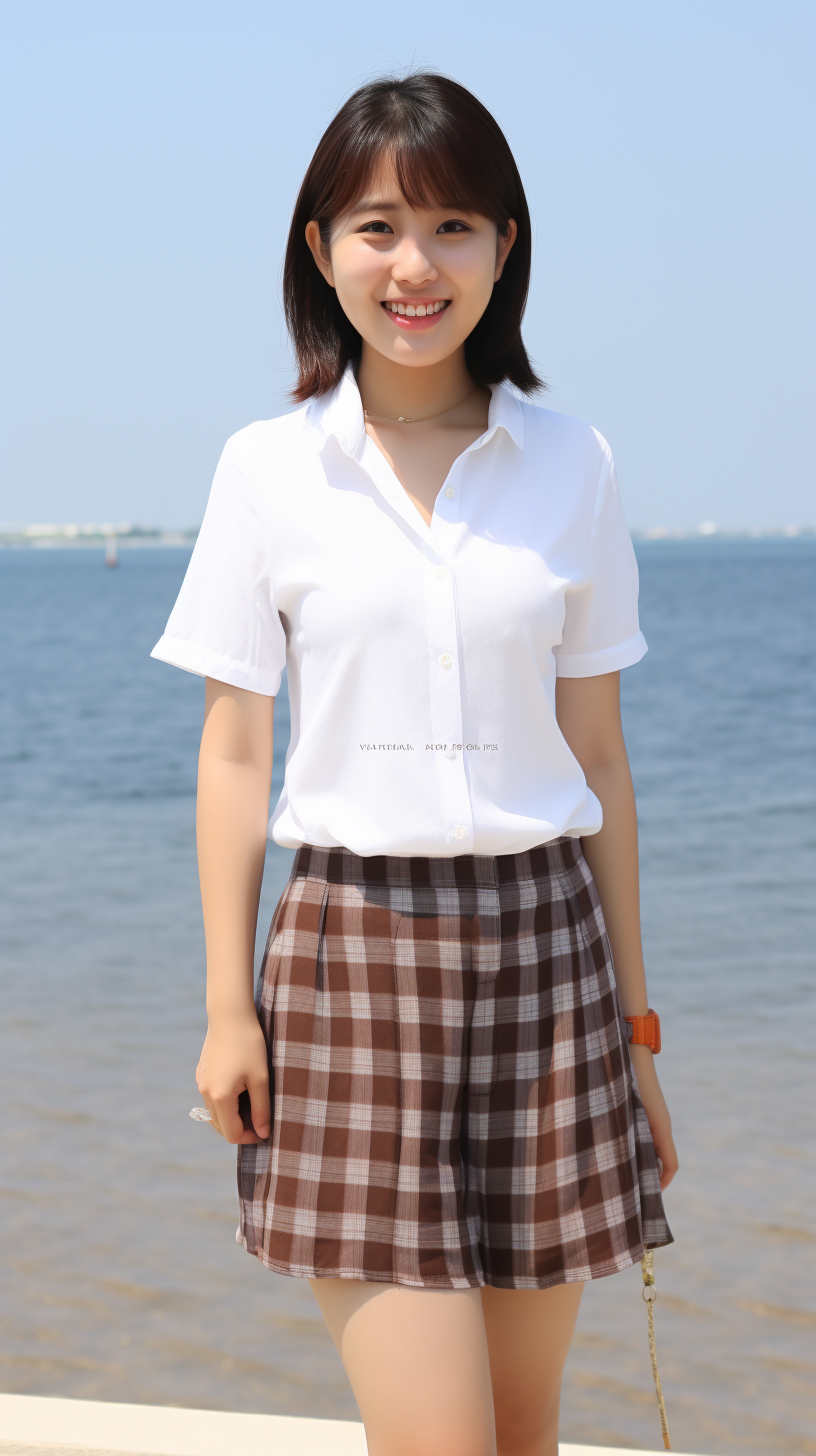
x=446 y=508
x=446 y=702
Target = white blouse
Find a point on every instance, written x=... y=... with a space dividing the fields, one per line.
x=421 y=659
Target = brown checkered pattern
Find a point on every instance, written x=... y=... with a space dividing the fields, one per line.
x=454 y=1103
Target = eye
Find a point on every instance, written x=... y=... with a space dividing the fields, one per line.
x=379 y=227
x=453 y=225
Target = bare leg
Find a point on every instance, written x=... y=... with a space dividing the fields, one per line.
x=528 y=1337
x=418 y=1364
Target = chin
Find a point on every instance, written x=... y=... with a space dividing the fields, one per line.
x=419 y=350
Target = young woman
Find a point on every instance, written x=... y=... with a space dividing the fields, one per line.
x=449 y=1130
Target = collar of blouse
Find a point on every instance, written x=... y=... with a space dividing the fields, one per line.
x=339 y=415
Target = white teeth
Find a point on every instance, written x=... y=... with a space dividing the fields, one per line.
x=419 y=310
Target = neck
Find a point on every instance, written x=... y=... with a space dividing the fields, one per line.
x=388 y=388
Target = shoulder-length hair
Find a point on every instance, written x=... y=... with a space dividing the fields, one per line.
x=446 y=148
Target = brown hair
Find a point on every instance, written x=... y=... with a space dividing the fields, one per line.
x=446 y=147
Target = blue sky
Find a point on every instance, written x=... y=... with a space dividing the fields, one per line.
x=154 y=151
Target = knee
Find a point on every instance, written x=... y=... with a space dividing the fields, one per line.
x=526 y=1442
x=521 y=1434
x=425 y=1441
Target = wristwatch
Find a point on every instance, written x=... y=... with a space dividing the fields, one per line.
x=645 y=1030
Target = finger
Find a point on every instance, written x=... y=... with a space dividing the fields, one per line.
x=669 y=1164
x=210 y=1106
x=249 y=1136
x=228 y=1118
x=260 y=1107
x=669 y=1171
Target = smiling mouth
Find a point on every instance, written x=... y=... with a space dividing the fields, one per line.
x=403 y=308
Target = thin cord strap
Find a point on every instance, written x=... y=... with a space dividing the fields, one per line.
x=650 y=1295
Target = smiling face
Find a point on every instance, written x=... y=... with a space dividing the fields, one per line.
x=414 y=283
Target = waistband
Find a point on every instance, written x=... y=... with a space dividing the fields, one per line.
x=340 y=866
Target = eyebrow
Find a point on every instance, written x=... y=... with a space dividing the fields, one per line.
x=370 y=204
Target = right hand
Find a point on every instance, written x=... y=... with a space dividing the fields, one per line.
x=233 y=1060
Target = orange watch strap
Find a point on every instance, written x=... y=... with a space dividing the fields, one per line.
x=645 y=1030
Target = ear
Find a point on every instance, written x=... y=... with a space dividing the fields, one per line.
x=317 y=251
x=504 y=243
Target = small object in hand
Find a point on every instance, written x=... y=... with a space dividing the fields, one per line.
x=203 y=1114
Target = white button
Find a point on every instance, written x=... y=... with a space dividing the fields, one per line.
x=450 y=752
x=459 y=832
x=441 y=573
x=445 y=659
x=450 y=492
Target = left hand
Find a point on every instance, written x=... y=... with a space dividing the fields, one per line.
x=657 y=1112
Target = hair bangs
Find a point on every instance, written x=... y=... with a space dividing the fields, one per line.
x=430 y=175
x=429 y=157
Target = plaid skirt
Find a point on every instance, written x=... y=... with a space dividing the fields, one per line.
x=453 y=1098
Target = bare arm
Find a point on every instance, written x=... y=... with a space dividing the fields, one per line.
x=234 y=778
x=588 y=712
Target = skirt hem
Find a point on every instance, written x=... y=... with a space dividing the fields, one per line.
x=584 y=1275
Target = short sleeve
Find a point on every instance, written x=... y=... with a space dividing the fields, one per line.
x=225 y=621
x=601 y=631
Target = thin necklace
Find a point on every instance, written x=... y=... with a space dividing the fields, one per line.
x=417 y=419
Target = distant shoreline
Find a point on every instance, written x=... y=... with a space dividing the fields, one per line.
x=72 y=538
x=38 y=538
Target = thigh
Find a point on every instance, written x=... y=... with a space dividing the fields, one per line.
x=418 y=1364
x=528 y=1335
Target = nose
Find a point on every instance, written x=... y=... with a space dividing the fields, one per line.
x=412 y=266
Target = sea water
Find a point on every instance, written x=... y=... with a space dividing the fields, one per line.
x=122 y=1279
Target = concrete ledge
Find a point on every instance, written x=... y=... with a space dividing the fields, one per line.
x=32 y=1425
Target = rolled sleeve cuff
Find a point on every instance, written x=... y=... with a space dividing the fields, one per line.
x=609 y=659
x=192 y=657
